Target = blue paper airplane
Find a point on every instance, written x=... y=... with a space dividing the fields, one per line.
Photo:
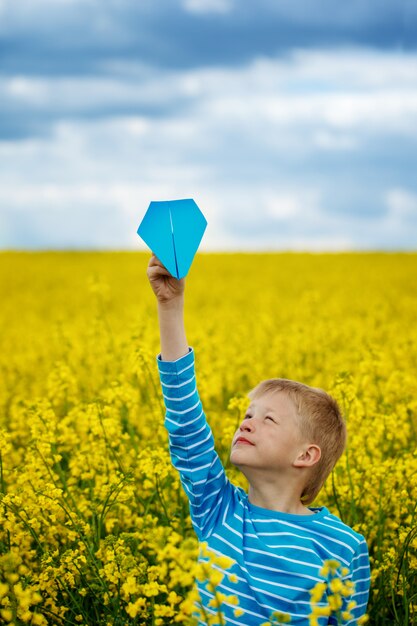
x=173 y=230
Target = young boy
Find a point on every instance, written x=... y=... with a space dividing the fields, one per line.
x=287 y=444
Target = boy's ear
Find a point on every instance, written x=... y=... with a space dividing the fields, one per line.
x=308 y=457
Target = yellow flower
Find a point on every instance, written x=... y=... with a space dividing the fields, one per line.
x=317 y=592
x=224 y=562
x=336 y=585
x=6 y=614
x=130 y=587
x=4 y=588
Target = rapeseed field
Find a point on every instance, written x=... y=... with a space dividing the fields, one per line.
x=94 y=526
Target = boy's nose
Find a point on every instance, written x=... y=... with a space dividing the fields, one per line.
x=247 y=425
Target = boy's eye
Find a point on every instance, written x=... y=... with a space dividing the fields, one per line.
x=268 y=417
x=247 y=416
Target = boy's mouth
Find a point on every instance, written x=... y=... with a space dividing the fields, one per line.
x=244 y=441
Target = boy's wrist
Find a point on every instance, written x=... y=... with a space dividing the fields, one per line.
x=176 y=304
x=171 y=325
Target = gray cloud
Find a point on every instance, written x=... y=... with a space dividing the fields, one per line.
x=82 y=37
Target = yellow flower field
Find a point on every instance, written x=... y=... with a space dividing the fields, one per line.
x=94 y=526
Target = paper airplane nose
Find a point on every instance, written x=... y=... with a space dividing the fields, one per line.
x=173 y=230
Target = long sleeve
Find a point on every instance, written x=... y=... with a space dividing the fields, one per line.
x=191 y=443
x=361 y=576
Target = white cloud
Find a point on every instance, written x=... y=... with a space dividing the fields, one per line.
x=363 y=68
x=384 y=110
x=401 y=203
x=270 y=219
x=288 y=205
x=208 y=6
x=82 y=94
x=400 y=221
x=330 y=140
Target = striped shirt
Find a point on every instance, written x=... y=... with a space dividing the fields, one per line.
x=277 y=557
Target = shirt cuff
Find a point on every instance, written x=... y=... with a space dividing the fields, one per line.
x=174 y=367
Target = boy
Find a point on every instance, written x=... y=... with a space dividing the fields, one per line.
x=287 y=444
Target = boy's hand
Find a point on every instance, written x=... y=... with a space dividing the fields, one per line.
x=169 y=291
x=166 y=287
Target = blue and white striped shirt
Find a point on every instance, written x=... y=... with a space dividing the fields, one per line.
x=277 y=556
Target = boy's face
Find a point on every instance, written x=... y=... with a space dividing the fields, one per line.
x=269 y=436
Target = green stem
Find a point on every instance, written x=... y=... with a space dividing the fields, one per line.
x=34 y=534
x=110 y=448
x=2 y=482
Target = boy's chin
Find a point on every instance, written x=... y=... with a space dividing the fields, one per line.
x=234 y=459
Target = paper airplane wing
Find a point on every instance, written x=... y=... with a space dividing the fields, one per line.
x=189 y=225
x=155 y=230
x=173 y=230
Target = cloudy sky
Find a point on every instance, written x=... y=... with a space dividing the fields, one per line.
x=293 y=124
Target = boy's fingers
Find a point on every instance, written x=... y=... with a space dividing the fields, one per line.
x=155 y=261
x=158 y=270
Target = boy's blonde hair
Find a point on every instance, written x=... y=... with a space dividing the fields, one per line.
x=320 y=421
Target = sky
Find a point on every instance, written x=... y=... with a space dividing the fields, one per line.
x=293 y=125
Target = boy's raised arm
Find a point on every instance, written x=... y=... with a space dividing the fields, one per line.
x=191 y=441
x=169 y=292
